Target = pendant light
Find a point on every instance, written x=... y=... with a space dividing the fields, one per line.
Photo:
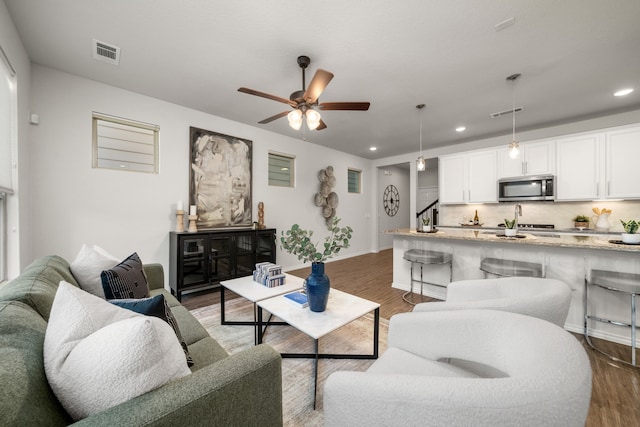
x=421 y=164
x=514 y=147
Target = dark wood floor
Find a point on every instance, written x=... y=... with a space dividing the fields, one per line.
x=615 y=395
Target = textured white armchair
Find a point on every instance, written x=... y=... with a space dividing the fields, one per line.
x=516 y=371
x=547 y=299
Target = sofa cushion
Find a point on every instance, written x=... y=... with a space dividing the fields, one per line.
x=155 y=306
x=97 y=355
x=37 y=285
x=25 y=396
x=125 y=280
x=88 y=265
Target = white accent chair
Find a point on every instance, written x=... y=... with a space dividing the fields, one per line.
x=547 y=299
x=466 y=368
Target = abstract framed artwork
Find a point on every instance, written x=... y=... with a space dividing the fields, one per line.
x=220 y=179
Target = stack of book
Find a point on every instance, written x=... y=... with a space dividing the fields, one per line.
x=268 y=274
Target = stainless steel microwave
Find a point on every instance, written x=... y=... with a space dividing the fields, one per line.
x=526 y=188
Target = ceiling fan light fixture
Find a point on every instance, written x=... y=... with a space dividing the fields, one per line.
x=313 y=119
x=295 y=119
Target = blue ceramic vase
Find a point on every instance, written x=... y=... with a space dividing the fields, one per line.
x=317 y=286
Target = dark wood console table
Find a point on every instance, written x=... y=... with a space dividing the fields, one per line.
x=201 y=259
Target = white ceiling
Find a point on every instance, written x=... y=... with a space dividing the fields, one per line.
x=572 y=54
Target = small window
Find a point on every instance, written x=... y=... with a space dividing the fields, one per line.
x=124 y=144
x=281 y=170
x=354 y=180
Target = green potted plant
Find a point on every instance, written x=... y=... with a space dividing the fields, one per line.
x=425 y=224
x=581 y=221
x=297 y=241
x=510 y=229
x=630 y=235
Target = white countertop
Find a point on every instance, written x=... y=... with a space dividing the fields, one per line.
x=554 y=238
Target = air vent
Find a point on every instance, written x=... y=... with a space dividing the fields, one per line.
x=505 y=112
x=105 y=52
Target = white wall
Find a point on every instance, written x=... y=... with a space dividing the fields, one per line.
x=18 y=208
x=128 y=211
x=392 y=175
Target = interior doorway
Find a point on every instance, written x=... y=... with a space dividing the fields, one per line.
x=427 y=189
x=394 y=197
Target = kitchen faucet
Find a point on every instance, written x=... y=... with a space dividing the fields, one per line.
x=517 y=213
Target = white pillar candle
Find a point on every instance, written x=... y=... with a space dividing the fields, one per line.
x=192 y=210
x=179 y=206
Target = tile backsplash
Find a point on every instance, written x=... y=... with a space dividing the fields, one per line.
x=560 y=214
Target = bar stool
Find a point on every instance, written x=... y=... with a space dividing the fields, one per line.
x=423 y=257
x=508 y=268
x=627 y=283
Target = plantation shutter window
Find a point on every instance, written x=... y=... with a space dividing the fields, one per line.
x=281 y=170
x=124 y=144
x=354 y=179
x=7 y=119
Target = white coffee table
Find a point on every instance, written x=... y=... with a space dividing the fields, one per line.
x=342 y=308
x=254 y=292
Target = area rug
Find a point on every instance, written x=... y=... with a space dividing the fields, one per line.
x=297 y=374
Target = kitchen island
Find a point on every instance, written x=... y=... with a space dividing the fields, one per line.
x=565 y=256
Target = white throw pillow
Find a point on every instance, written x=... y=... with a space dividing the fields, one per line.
x=98 y=355
x=88 y=266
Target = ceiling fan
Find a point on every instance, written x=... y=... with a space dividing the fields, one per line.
x=304 y=102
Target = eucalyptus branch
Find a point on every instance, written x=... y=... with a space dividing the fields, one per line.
x=297 y=241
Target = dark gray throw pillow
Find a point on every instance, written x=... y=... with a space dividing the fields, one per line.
x=156 y=306
x=125 y=280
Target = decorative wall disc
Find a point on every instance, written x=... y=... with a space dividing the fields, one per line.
x=322 y=176
x=325 y=189
x=329 y=170
x=332 y=200
x=318 y=199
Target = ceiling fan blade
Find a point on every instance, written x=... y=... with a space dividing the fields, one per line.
x=266 y=95
x=322 y=125
x=320 y=80
x=355 y=106
x=272 y=118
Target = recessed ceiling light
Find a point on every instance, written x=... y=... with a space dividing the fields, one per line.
x=373 y=148
x=623 y=92
x=460 y=129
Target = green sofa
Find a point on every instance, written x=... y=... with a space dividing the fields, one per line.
x=240 y=389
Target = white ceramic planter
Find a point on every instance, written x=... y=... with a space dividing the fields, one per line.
x=631 y=239
x=510 y=232
x=427 y=228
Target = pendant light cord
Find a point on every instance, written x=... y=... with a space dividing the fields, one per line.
x=513 y=109
x=420 y=107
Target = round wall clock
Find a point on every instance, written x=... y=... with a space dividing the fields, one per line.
x=391 y=199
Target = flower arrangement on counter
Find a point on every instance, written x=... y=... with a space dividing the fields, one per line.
x=599 y=211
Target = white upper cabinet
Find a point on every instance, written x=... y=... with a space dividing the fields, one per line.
x=578 y=167
x=535 y=158
x=599 y=165
x=622 y=151
x=469 y=177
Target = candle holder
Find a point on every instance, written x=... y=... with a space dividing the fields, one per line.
x=179 y=221
x=192 y=223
